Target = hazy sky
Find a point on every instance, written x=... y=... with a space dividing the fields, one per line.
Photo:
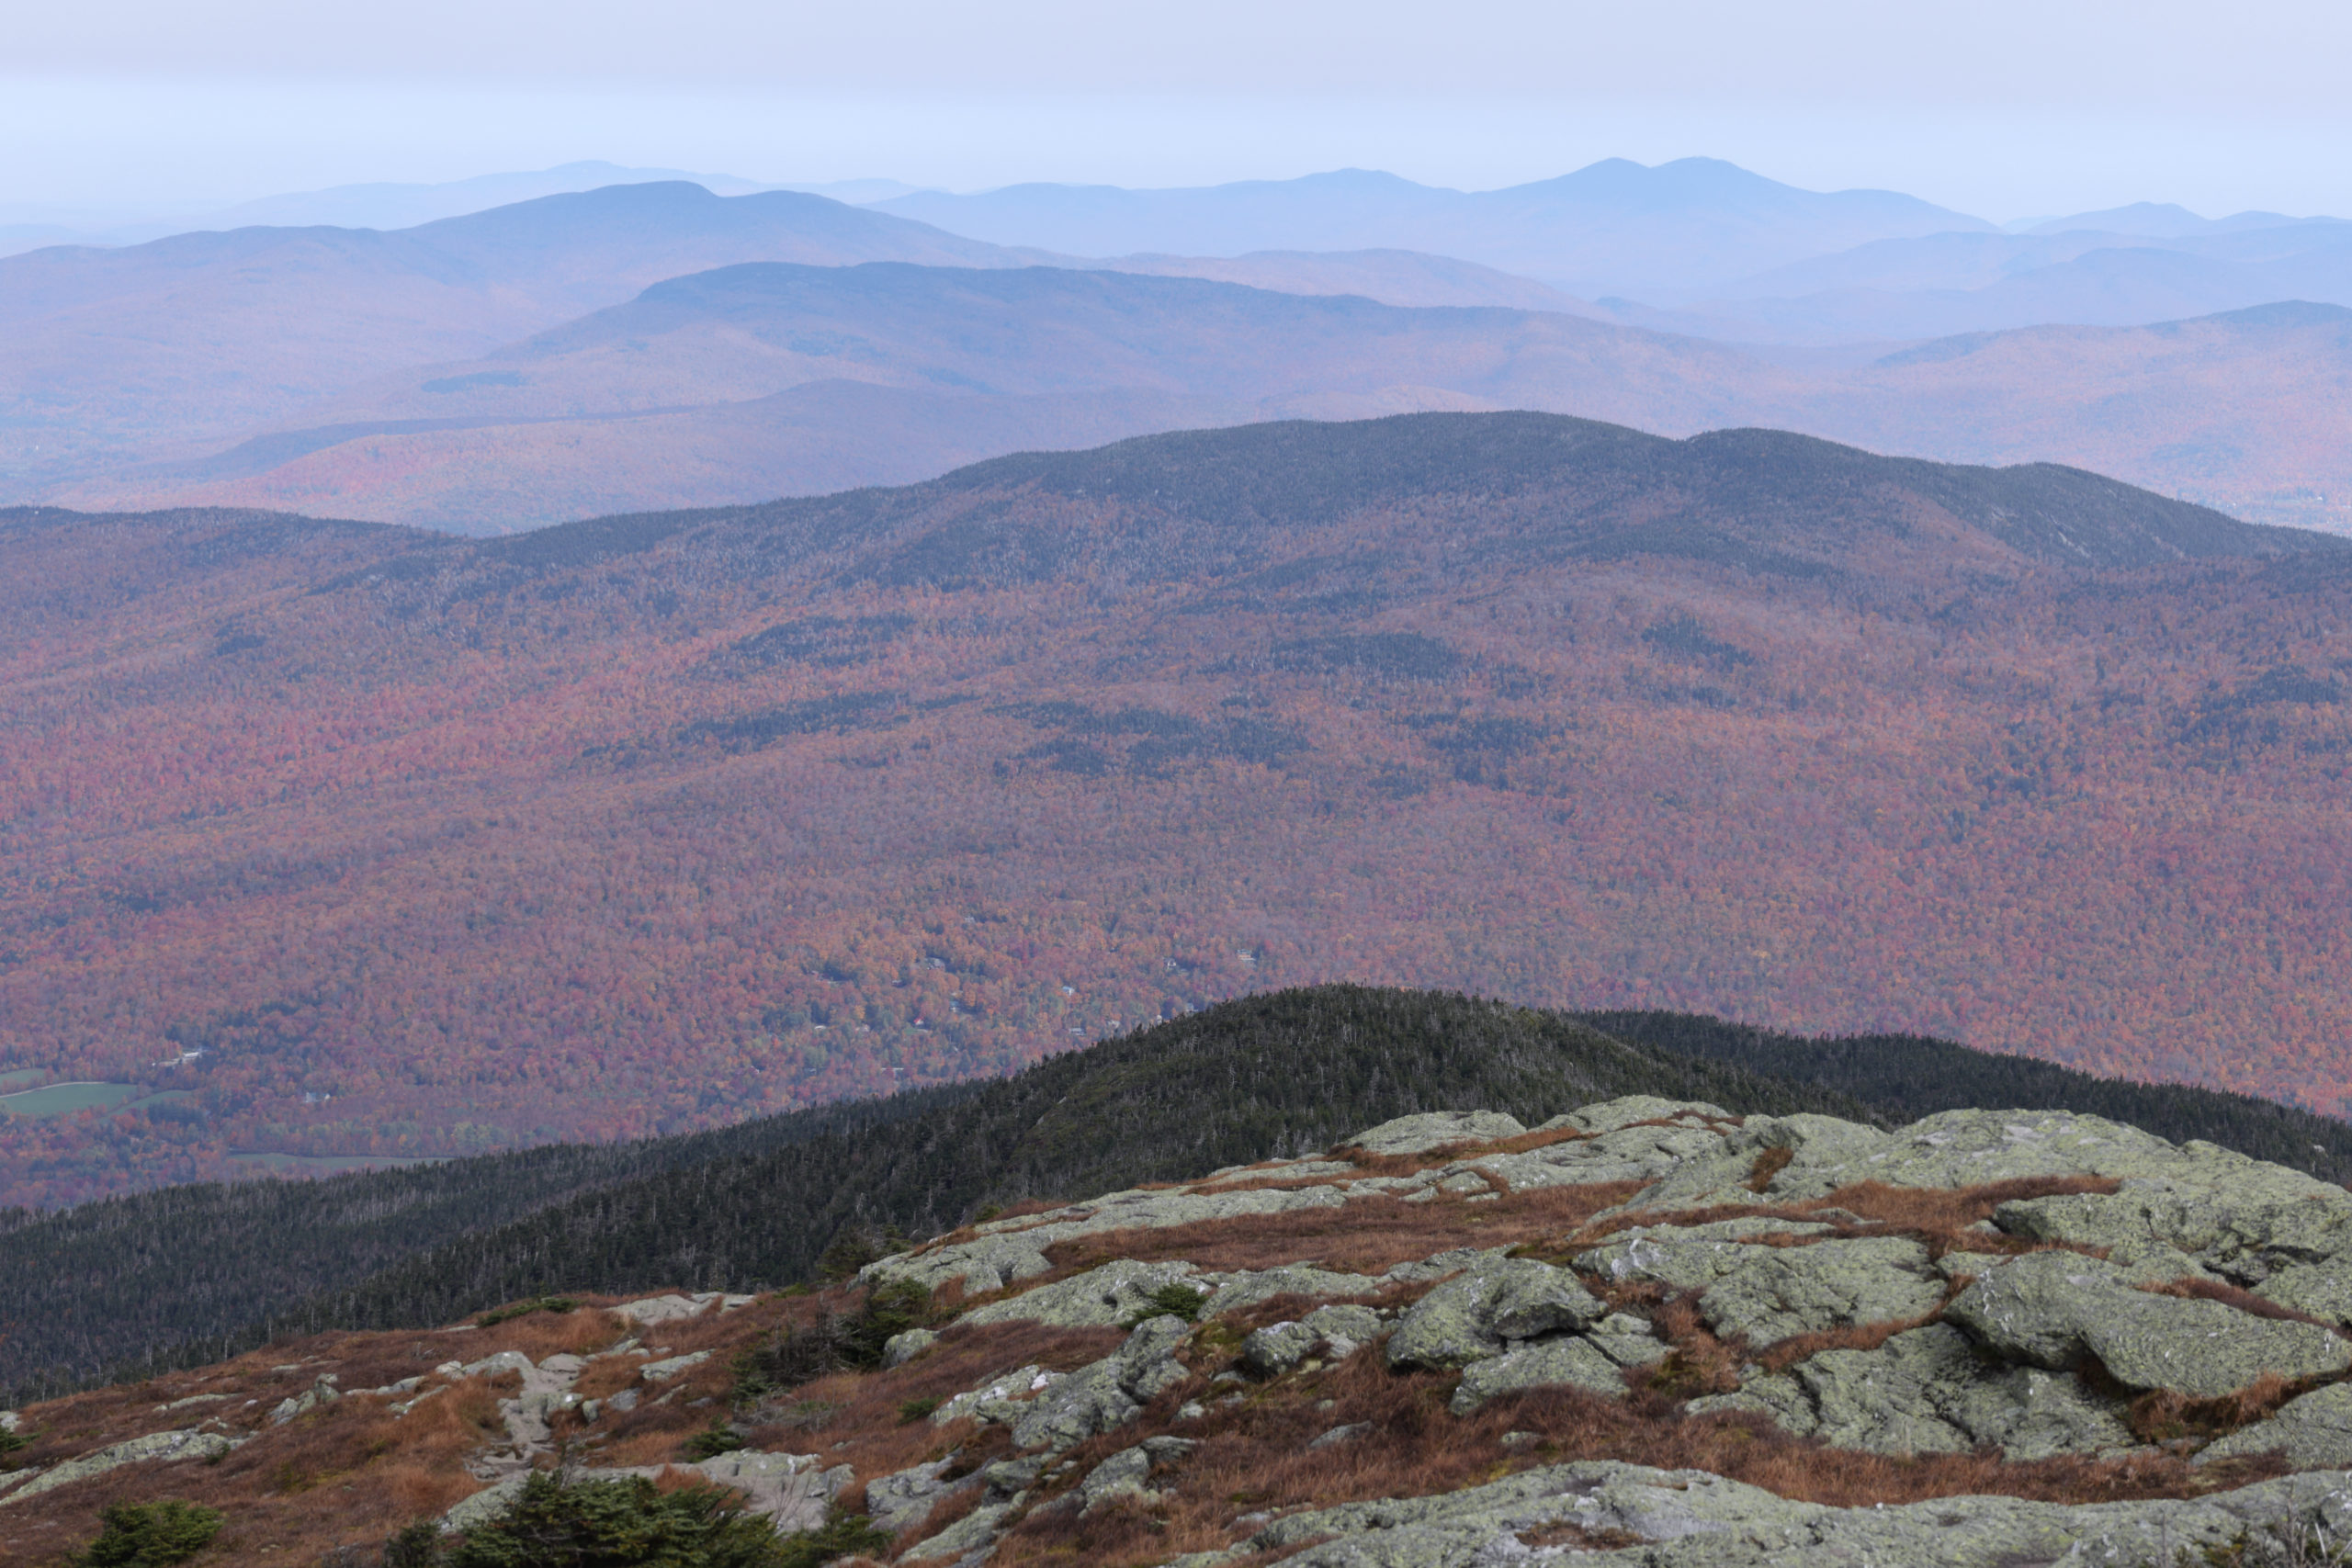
x=1998 y=108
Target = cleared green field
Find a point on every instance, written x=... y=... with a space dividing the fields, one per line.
x=65 y=1098
x=18 y=1078
x=328 y=1165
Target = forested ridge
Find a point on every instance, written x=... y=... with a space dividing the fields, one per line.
x=343 y=842
x=192 y=1274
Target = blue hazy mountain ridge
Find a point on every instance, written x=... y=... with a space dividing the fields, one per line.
x=177 y=347
x=1669 y=232
x=395 y=206
x=2162 y=219
x=766 y=380
x=1938 y=285
x=375 y=205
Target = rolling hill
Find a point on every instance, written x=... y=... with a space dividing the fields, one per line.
x=395 y=845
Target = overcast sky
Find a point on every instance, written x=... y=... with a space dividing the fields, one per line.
x=1998 y=108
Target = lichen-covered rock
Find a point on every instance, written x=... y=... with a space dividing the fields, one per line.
x=1930 y=1391
x=1005 y=1252
x=901 y=1500
x=1689 y=1258
x=669 y=1309
x=1335 y=1331
x=900 y=1349
x=186 y=1444
x=2315 y=1432
x=1109 y=1393
x=1974 y=1148
x=1611 y=1116
x=989 y=1263
x=1820 y=1150
x=1003 y=1398
x=1573 y=1362
x=1453 y=1260
x=1779 y=1291
x=1238 y=1292
x=1122 y=1475
x=970 y=1539
x=1474 y=1314
x=2241 y=1217
x=1432 y=1130
x=793 y=1492
x=2322 y=1288
x=1770 y=1292
x=1641 y=1153
x=1693 y=1520
x=2053 y=1308
x=672 y=1366
x=1107 y=1297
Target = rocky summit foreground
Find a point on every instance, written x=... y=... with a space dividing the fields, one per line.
x=1646 y=1332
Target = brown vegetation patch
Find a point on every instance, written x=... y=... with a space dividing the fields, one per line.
x=2166 y=1416
x=1768 y=1164
x=2237 y=1296
x=1782 y=1354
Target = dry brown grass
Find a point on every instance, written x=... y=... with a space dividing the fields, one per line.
x=1768 y=1164
x=1782 y=1354
x=2237 y=1296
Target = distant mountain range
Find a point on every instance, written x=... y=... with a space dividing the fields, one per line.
x=466 y=373
x=1667 y=233
x=763 y=379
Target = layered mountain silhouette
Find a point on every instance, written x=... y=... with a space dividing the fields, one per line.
x=602 y=351
x=1615 y=227
x=748 y=382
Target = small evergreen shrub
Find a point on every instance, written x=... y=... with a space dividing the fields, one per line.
x=607 y=1524
x=418 y=1546
x=1170 y=1300
x=150 y=1535
x=845 y=1535
x=12 y=1443
x=832 y=1342
x=524 y=1309
x=914 y=1410
x=711 y=1441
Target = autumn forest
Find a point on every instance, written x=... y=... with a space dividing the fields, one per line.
x=345 y=841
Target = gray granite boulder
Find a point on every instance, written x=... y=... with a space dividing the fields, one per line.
x=2053 y=1308
x=1770 y=1292
x=2315 y=1432
x=1334 y=1331
x=1238 y=1292
x=183 y=1445
x=1931 y=1390
x=1596 y=1362
x=1109 y=1393
x=1432 y=1130
x=1107 y=1297
x=1494 y=1303
x=1693 y=1520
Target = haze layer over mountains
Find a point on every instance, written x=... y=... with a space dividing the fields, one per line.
x=651 y=343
